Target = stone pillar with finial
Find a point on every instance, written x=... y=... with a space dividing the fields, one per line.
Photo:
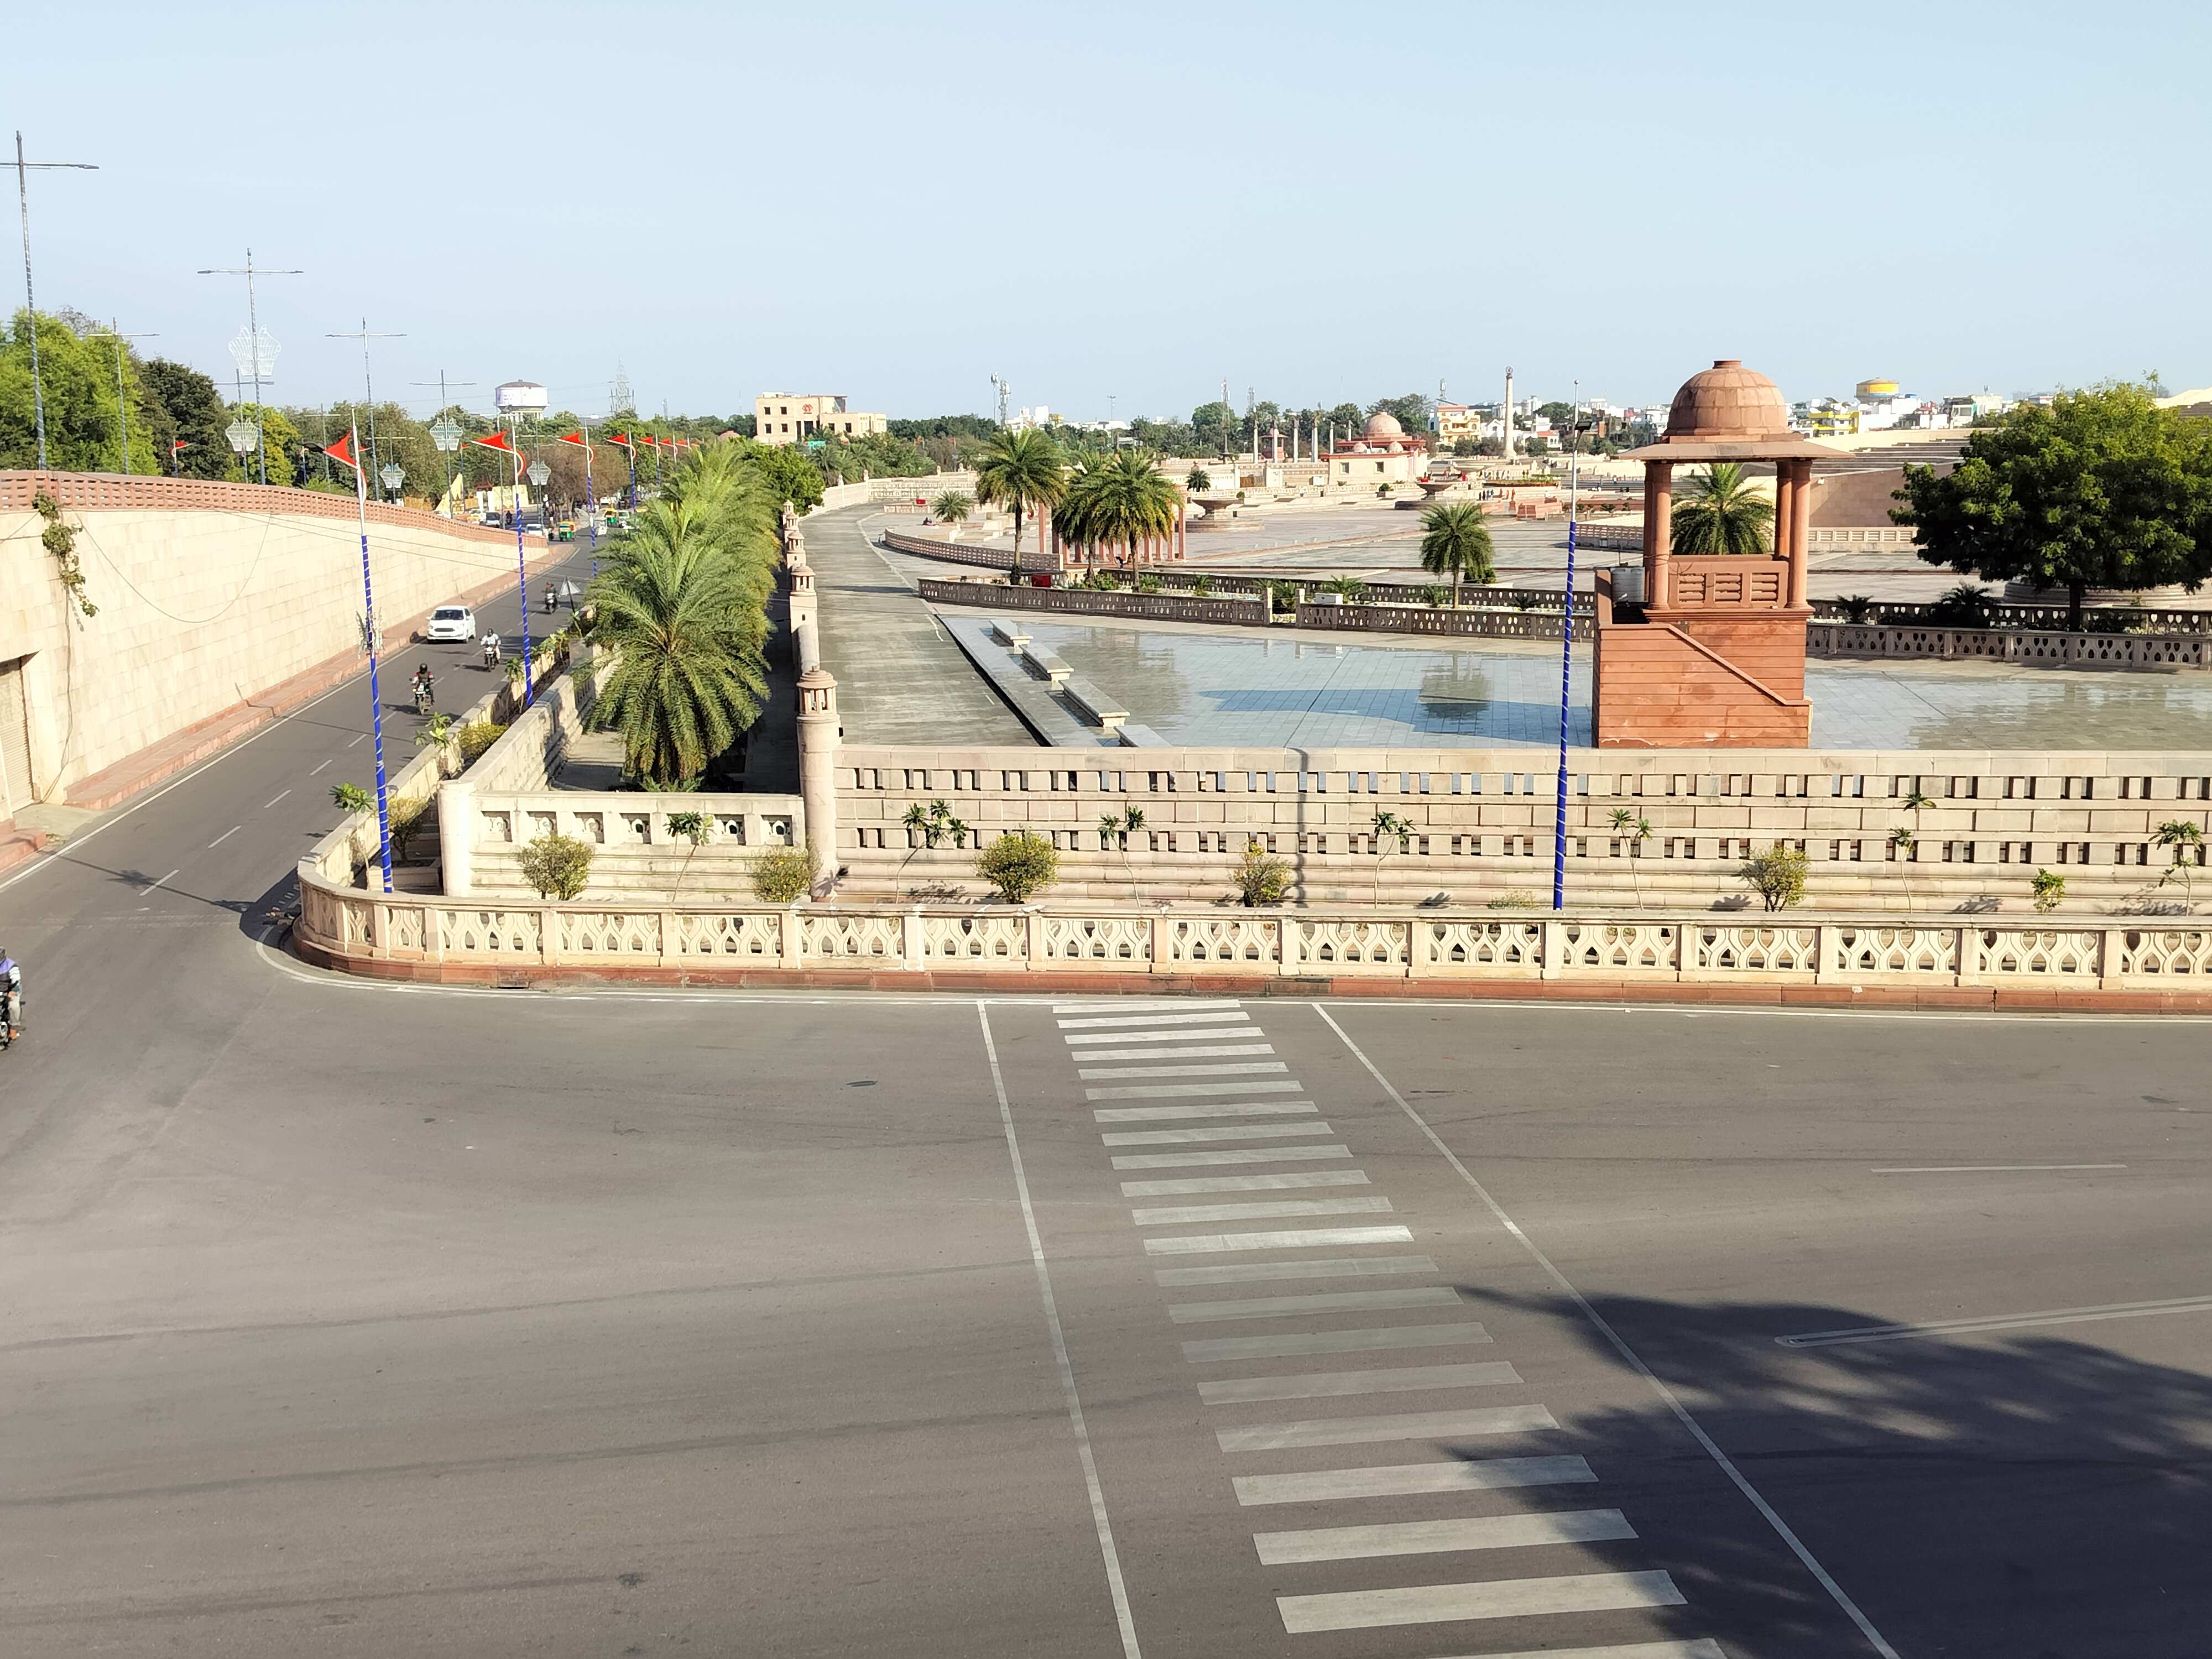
x=818 y=736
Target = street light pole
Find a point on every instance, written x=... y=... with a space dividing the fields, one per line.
x=250 y=270
x=122 y=407
x=368 y=386
x=443 y=432
x=1566 y=660
x=30 y=304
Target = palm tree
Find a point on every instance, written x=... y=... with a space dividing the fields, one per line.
x=680 y=602
x=1199 y=481
x=1121 y=500
x=951 y=507
x=1455 y=542
x=1636 y=830
x=1719 y=514
x=1022 y=470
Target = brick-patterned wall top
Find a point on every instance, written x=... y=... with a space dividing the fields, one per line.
x=91 y=491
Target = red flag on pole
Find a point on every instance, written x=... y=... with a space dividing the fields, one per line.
x=624 y=440
x=498 y=441
x=575 y=438
x=342 y=451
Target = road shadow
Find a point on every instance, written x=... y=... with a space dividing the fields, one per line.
x=2020 y=1492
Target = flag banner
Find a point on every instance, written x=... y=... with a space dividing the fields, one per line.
x=497 y=441
x=624 y=440
x=575 y=438
x=342 y=451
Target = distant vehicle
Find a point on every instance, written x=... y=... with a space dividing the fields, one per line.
x=451 y=621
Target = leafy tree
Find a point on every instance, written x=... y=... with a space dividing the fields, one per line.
x=978 y=426
x=1719 y=514
x=1388 y=827
x=1022 y=471
x=1412 y=410
x=283 y=440
x=1455 y=542
x=1019 y=864
x=2186 y=838
x=789 y=474
x=182 y=402
x=2102 y=489
x=556 y=865
x=1120 y=502
x=1213 y=424
x=76 y=377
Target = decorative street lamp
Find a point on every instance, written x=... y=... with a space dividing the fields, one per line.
x=254 y=351
x=394 y=475
x=448 y=436
x=244 y=437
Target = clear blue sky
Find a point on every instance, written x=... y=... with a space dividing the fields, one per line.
x=1320 y=202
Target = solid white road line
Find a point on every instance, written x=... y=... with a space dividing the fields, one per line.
x=1635 y=1361
x=1411 y=1479
x=1100 y=1521
x=1211 y=1051
x=1125 y=1020
x=1240 y=1068
x=1494 y=1532
x=1187 y=1035
x=319 y=769
x=1302 y=1238
x=1277 y=1307
x=1188 y=1215
x=1117 y=1004
x=1374 y=1431
x=1327 y=1385
x=1377 y=1339
x=225 y=836
x=1996 y=1323
x=1511 y=1598
x=266 y=804
x=1212 y=1109
x=1188 y=1090
x=1244 y=1183
x=151 y=885
x=1703 y=1648
x=1993 y=1169
x=1226 y=1132
x=1342 y=1266
x=1238 y=1155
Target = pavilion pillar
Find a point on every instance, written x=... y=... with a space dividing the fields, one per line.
x=1658 y=530
x=1785 y=495
x=1801 y=530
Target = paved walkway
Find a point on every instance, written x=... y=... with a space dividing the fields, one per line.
x=900 y=678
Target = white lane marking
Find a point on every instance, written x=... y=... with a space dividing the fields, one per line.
x=1225 y=1132
x=1244 y=1183
x=1283 y=1307
x=225 y=836
x=1377 y=1339
x=1121 y=1003
x=1510 y=1598
x=1327 y=1385
x=1187 y=1091
x=1494 y=1532
x=1703 y=1648
x=1151 y=1019
x=355 y=744
x=1303 y=1238
x=1236 y=1155
x=1189 y=1215
x=1099 y=1519
x=320 y=767
x=1411 y=1479
x=1213 y=1052
x=1375 y=1431
x=1240 y=1068
x=1992 y=1168
x=266 y=804
x=1075 y=1037
x=1212 y=1109
x=1996 y=1323
x=1682 y=1414
x=151 y=885
x=1342 y=1266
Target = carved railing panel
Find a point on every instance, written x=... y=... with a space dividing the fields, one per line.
x=1218 y=941
x=505 y=933
x=1746 y=948
x=755 y=937
x=850 y=941
x=1370 y=946
x=2165 y=951
x=2036 y=951
x=947 y=940
x=1126 y=940
x=1896 y=950
x=608 y=933
x=1641 y=947
x=1462 y=947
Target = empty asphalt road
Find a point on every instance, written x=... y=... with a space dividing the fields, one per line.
x=350 y=1319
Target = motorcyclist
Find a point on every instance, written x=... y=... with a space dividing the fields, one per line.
x=491 y=650
x=425 y=693
x=11 y=997
x=551 y=598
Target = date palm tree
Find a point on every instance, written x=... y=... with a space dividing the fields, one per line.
x=1720 y=513
x=1455 y=542
x=1120 y=501
x=1022 y=471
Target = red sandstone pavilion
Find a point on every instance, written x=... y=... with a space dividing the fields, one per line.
x=1715 y=656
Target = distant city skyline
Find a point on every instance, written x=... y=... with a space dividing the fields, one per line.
x=1976 y=195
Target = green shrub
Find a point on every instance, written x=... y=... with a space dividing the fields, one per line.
x=1201 y=588
x=351 y=797
x=476 y=738
x=408 y=819
x=1514 y=898
x=1261 y=877
x=1777 y=876
x=784 y=874
x=1019 y=864
x=2048 y=888
x=556 y=865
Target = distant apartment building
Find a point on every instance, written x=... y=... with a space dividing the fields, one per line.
x=792 y=417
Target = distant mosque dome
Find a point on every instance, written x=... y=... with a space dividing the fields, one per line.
x=1383 y=424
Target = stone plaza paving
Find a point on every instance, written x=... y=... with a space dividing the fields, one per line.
x=1302 y=692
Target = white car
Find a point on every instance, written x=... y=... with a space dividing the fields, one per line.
x=451 y=621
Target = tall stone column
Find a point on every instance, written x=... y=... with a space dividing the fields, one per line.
x=1801 y=530
x=1785 y=493
x=819 y=738
x=1658 y=530
x=802 y=592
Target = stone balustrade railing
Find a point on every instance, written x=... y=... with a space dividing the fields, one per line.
x=404 y=934
x=1228 y=609
x=84 y=491
x=1464 y=622
x=2034 y=648
x=1034 y=558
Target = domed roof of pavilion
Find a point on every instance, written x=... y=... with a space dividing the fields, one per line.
x=1727 y=402
x=1383 y=424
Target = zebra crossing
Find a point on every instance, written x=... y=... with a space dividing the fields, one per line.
x=1248 y=1200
